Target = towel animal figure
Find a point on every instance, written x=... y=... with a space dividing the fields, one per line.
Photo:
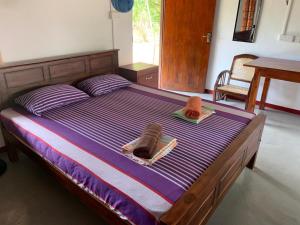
x=193 y=108
x=147 y=145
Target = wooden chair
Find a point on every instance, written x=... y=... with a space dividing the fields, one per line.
x=238 y=72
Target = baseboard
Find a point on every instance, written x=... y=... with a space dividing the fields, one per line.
x=280 y=108
x=207 y=91
x=267 y=105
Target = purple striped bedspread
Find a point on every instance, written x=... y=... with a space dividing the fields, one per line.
x=84 y=141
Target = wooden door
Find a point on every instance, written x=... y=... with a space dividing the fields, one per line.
x=186 y=29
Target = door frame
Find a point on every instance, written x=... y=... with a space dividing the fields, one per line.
x=162 y=17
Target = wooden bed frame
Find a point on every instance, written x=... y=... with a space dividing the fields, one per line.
x=203 y=197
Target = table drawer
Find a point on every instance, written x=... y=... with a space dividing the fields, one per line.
x=150 y=79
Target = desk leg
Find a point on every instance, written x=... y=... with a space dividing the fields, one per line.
x=264 y=93
x=253 y=92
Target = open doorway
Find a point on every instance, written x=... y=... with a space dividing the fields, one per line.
x=146 y=31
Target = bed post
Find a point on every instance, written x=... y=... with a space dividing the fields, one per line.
x=11 y=145
x=252 y=161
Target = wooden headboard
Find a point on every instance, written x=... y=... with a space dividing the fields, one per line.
x=19 y=77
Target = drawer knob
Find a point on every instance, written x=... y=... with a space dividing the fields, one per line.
x=149 y=77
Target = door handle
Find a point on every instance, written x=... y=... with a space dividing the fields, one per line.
x=149 y=77
x=208 y=37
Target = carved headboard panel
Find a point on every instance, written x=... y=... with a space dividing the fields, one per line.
x=19 y=77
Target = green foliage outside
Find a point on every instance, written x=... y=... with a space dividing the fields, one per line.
x=146 y=20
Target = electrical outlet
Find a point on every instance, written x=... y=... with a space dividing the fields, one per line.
x=287 y=37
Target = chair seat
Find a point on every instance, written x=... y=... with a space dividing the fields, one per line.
x=234 y=89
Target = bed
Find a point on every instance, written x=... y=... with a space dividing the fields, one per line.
x=80 y=144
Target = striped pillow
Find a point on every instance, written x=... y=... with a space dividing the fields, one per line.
x=50 y=97
x=103 y=84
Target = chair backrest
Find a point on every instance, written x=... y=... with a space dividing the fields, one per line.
x=241 y=72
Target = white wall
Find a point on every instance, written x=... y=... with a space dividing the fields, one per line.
x=294 y=25
x=270 y=26
x=40 y=28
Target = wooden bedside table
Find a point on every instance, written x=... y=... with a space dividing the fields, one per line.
x=141 y=73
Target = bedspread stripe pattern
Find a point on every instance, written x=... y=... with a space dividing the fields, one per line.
x=121 y=192
x=84 y=140
x=211 y=137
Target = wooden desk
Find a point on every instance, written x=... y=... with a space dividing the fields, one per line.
x=270 y=68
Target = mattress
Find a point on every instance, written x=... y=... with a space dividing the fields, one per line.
x=84 y=141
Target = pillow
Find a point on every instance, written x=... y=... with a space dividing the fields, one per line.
x=103 y=84
x=50 y=97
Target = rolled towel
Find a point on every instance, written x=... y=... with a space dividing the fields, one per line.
x=193 y=108
x=146 y=146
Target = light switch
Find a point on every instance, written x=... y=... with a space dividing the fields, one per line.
x=287 y=37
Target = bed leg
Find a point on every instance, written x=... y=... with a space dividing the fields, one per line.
x=11 y=147
x=251 y=163
x=12 y=154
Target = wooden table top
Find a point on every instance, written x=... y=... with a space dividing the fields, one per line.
x=139 y=66
x=277 y=64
